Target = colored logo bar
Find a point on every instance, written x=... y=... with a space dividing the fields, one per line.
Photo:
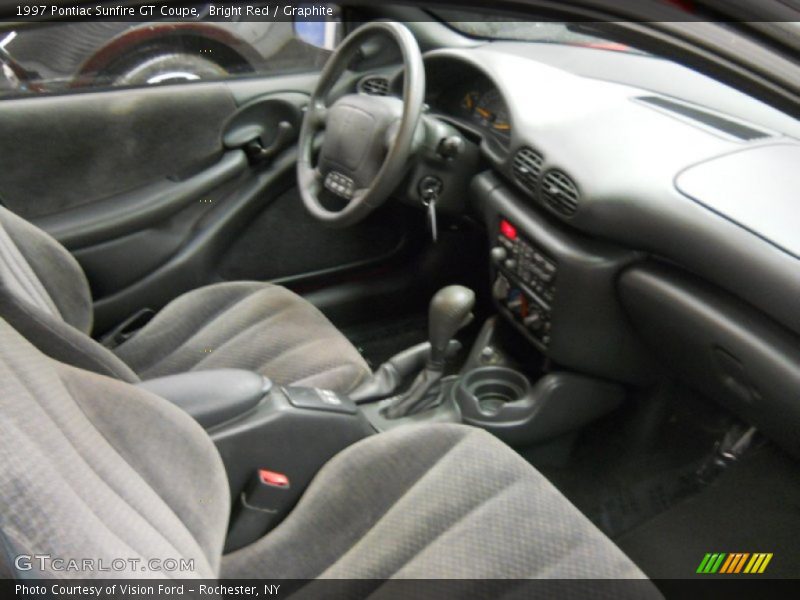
x=734 y=563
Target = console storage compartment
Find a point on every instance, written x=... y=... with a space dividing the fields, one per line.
x=214 y=396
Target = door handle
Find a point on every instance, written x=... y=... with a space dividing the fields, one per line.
x=283 y=138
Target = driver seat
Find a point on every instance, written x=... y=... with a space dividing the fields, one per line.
x=261 y=327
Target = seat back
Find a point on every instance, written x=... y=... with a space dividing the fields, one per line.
x=45 y=296
x=94 y=468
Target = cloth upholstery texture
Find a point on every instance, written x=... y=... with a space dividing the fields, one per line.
x=96 y=467
x=45 y=296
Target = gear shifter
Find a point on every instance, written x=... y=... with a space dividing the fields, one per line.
x=450 y=310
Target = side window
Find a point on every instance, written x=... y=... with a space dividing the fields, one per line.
x=70 y=56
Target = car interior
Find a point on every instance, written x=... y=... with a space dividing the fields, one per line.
x=469 y=295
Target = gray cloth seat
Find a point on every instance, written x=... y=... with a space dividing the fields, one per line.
x=97 y=468
x=45 y=296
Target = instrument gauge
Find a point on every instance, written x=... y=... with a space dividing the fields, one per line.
x=470 y=101
x=491 y=113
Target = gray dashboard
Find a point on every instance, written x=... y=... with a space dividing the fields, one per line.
x=648 y=171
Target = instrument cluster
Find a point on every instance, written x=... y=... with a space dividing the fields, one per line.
x=477 y=103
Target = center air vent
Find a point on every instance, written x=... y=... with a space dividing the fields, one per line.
x=374 y=85
x=560 y=193
x=527 y=168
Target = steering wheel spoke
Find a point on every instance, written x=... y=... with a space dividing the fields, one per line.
x=360 y=194
x=316 y=115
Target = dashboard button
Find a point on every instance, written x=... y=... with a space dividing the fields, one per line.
x=501 y=288
x=499 y=254
x=533 y=321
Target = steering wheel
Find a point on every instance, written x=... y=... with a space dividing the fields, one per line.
x=367 y=139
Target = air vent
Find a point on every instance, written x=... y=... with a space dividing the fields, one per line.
x=560 y=193
x=374 y=85
x=527 y=168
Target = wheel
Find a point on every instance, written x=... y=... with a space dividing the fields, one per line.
x=170 y=67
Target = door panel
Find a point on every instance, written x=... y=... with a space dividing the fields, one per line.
x=138 y=184
x=285 y=243
x=194 y=263
x=123 y=260
x=130 y=211
x=60 y=152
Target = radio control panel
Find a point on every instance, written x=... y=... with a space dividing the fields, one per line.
x=524 y=282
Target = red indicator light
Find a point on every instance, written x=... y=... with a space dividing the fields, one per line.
x=508 y=230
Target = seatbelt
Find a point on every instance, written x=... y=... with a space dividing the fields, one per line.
x=127 y=329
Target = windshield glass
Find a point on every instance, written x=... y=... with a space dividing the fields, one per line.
x=494 y=27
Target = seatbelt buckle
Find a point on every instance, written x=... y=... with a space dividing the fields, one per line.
x=266 y=491
x=261 y=505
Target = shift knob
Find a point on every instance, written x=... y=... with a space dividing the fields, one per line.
x=450 y=310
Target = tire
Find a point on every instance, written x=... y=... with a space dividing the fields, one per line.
x=170 y=67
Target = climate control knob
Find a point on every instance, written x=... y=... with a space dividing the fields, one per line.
x=498 y=254
x=501 y=288
x=515 y=304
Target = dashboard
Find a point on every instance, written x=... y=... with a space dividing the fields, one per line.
x=611 y=145
x=623 y=190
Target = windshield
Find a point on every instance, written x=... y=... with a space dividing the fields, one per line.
x=494 y=27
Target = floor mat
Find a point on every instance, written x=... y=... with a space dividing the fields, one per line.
x=628 y=498
x=754 y=506
x=620 y=486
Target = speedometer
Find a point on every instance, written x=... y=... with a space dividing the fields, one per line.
x=491 y=112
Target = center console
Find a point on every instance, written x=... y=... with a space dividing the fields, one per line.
x=557 y=286
x=272 y=439
x=492 y=392
x=551 y=284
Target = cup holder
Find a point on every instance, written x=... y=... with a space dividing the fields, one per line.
x=489 y=389
x=503 y=402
